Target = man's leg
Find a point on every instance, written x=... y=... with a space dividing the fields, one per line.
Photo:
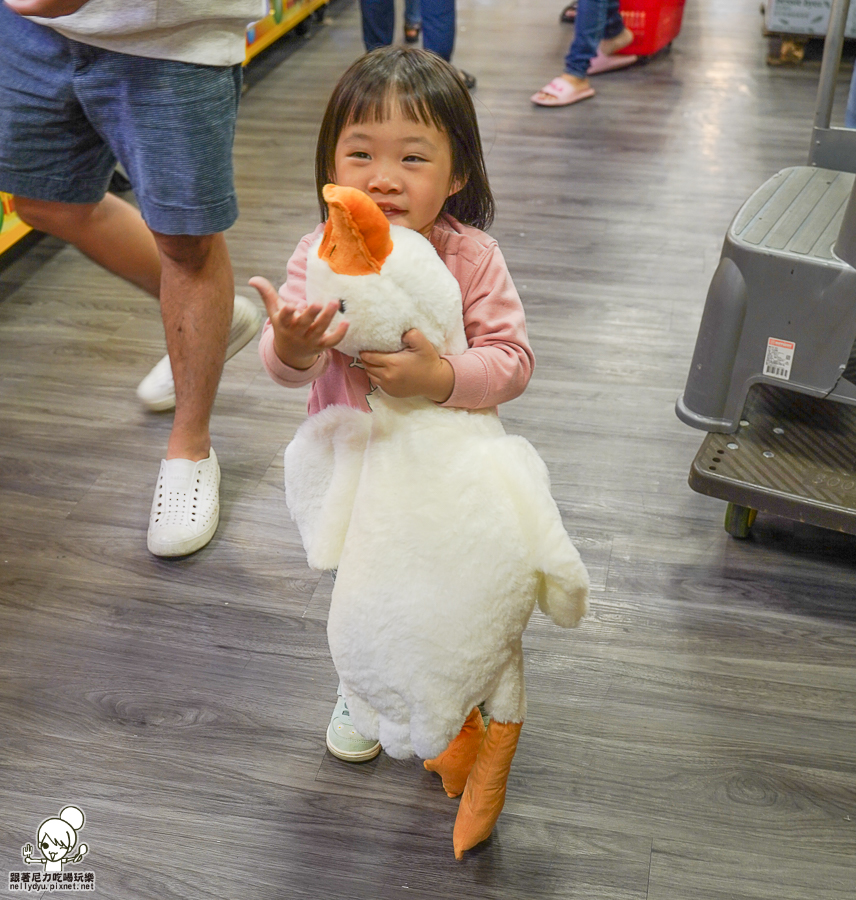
x=176 y=145
x=93 y=228
x=191 y=275
x=196 y=294
x=196 y=307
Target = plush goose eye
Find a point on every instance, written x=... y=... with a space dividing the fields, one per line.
x=341 y=306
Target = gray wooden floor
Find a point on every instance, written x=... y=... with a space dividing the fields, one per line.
x=695 y=738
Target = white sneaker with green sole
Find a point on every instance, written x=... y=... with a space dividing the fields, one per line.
x=344 y=741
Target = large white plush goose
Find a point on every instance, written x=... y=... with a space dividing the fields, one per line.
x=441 y=526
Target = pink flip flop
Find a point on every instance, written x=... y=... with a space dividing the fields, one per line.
x=603 y=63
x=561 y=93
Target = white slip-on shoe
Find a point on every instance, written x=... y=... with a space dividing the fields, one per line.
x=157 y=390
x=186 y=506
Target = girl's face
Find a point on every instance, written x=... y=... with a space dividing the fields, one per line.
x=404 y=166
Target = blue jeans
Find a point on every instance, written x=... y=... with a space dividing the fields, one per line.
x=597 y=20
x=413 y=12
x=438 y=25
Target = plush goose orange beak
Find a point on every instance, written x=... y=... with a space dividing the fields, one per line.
x=356 y=237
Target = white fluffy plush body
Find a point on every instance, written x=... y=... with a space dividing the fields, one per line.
x=442 y=526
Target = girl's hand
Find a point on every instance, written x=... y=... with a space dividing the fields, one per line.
x=416 y=371
x=299 y=335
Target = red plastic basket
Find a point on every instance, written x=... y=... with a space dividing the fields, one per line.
x=655 y=23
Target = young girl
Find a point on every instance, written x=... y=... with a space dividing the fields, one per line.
x=401 y=127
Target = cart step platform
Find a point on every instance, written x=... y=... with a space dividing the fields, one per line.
x=792 y=455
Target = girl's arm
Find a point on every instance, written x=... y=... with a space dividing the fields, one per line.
x=499 y=362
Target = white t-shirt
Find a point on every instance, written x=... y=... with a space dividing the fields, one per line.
x=207 y=32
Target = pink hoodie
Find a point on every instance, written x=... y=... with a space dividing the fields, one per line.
x=496 y=367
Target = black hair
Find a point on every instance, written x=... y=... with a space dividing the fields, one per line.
x=426 y=89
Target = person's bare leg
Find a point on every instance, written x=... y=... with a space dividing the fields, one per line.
x=619 y=42
x=112 y=233
x=93 y=228
x=191 y=275
x=197 y=297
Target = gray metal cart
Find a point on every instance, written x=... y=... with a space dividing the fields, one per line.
x=773 y=375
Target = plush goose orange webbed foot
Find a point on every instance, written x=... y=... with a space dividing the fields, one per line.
x=454 y=764
x=484 y=795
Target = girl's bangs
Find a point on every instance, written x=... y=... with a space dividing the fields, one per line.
x=380 y=101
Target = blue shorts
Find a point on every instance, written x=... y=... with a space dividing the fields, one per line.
x=68 y=111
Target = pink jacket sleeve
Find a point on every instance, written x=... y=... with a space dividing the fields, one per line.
x=499 y=362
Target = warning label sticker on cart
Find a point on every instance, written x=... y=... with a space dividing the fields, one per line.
x=779 y=358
